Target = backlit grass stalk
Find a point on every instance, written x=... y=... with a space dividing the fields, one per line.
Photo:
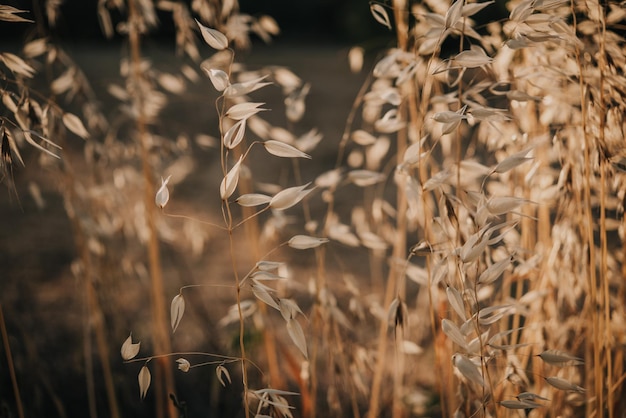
x=393 y=289
x=164 y=378
x=230 y=227
x=445 y=380
x=594 y=341
x=242 y=345
x=603 y=268
x=309 y=392
x=253 y=238
x=396 y=275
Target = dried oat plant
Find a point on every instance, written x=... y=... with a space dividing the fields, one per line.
x=478 y=273
x=504 y=181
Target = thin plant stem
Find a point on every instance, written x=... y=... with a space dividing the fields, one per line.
x=11 y=365
x=343 y=363
x=605 y=287
x=309 y=398
x=399 y=247
x=164 y=378
x=251 y=225
x=345 y=137
x=89 y=369
x=171 y=215
x=222 y=358
x=103 y=350
x=594 y=344
x=604 y=277
x=242 y=345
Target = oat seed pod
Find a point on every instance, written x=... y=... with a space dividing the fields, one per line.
x=163 y=194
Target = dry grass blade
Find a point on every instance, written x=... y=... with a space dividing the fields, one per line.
x=380 y=14
x=454 y=333
x=456 y=301
x=235 y=134
x=10 y=14
x=494 y=271
x=280 y=149
x=222 y=372
x=245 y=87
x=470 y=9
x=304 y=242
x=183 y=365
x=229 y=183
x=505 y=204
x=264 y=294
x=453 y=14
x=218 y=78
x=297 y=336
x=163 y=194
x=144 y=378
x=17 y=65
x=28 y=137
x=468 y=369
x=473 y=58
x=520 y=404
x=177 y=309
x=213 y=38
x=559 y=358
x=563 y=384
x=253 y=199
x=129 y=349
x=289 y=197
x=245 y=110
x=528 y=396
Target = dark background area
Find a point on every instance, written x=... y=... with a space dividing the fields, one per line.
x=315 y=20
x=302 y=22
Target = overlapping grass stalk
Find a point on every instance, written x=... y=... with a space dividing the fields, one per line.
x=490 y=159
x=500 y=163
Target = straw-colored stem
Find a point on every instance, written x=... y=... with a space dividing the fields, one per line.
x=164 y=378
x=94 y=315
x=399 y=249
x=604 y=276
x=242 y=346
x=11 y=365
x=103 y=347
x=594 y=344
x=593 y=370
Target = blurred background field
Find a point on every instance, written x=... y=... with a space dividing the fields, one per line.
x=45 y=306
x=463 y=213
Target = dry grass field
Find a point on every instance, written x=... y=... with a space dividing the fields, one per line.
x=220 y=221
